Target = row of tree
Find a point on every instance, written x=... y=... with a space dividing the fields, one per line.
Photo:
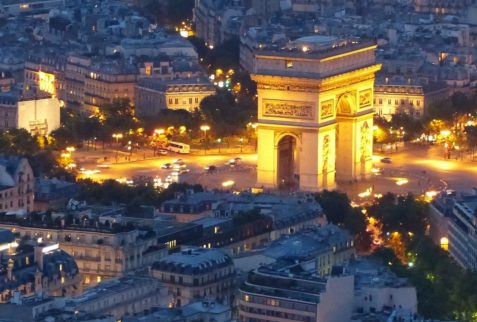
x=38 y=150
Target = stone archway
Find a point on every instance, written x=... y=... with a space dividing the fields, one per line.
x=287 y=162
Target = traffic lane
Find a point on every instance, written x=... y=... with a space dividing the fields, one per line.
x=429 y=163
x=152 y=167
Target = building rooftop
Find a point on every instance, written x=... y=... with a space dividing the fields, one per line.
x=372 y=273
x=187 y=312
x=314 y=47
x=285 y=282
x=194 y=260
x=308 y=243
x=110 y=287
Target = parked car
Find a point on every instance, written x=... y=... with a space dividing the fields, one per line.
x=386 y=160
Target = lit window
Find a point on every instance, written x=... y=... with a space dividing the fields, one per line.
x=289 y=64
x=62 y=280
x=247 y=298
x=98 y=279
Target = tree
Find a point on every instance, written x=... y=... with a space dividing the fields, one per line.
x=226 y=115
x=18 y=142
x=335 y=205
x=338 y=210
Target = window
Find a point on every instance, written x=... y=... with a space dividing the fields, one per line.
x=289 y=64
x=190 y=100
x=176 y=101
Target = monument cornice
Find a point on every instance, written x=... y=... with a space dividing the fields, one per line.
x=300 y=84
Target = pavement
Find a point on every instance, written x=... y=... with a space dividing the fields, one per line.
x=413 y=168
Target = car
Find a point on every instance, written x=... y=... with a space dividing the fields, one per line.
x=163 y=152
x=178 y=161
x=238 y=159
x=166 y=166
x=232 y=163
x=386 y=160
x=210 y=168
x=179 y=166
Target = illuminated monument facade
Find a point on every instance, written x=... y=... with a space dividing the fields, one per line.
x=315 y=112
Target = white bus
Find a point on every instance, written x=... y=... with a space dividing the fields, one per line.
x=178 y=147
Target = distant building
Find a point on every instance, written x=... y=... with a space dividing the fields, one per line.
x=35 y=270
x=317 y=249
x=6 y=81
x=16 y=185
x=377 y=289
x=106 y=82
x=153 y=95
x=17 y=7
x=102 y=251
x=217 y=21
x=33 y=309
x=441 y=7
x=205 y=310
x=196 y=273
x=278 y=293
x=120 y=297
x=275 y=215
x=39 y=113
x=453 y=221
x=396 y=97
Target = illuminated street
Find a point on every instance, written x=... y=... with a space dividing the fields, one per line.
x=243 y=174
x=416 y=169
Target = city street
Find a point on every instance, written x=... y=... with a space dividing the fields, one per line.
x=415 y=169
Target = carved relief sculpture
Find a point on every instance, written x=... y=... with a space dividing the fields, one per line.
x=344 y=104
x=365 y=141
x=326 y=152
x=290 y=109
x=365 y=98
x=327 y=109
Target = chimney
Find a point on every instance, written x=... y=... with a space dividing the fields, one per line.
x=38 y=253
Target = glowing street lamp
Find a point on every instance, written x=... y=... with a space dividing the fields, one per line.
x=117 y=136
x=219 y=141
x=205 y=128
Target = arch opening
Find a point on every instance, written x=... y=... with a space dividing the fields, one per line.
x=287 y=163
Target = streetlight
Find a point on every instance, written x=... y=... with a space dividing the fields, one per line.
x=241 y=145
x=205 y=128
x=219 y=141
x=117 y=136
